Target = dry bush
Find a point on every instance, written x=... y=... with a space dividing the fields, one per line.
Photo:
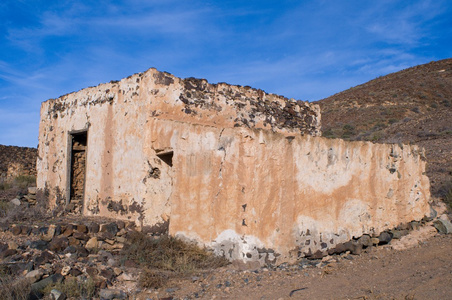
x=445 y=192
x=14 y=288
x=24 y=181
x=152 y=279
x=78 y=288
x=167 y=254
x=15 y=214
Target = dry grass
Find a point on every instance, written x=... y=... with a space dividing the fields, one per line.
x=167 y=257
x=446 y=194
x=14 y=288
x=18 y=187
x=75 y=288
x=21 y=182
x=152 y=279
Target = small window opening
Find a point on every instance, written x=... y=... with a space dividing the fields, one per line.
x=166 y=157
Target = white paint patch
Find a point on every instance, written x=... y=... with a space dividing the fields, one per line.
x=323 y=168
x=234 y=246
x=355 y=215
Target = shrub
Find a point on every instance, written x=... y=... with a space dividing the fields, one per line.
x=5 y=206
x=151 y=279
x=329 y=134
x=78 y=288
x=4 y=186
x=23 y=181
x=14 y=288
x=445 y=193
x=167 y=254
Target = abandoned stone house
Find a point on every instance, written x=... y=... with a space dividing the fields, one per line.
x=233 y=168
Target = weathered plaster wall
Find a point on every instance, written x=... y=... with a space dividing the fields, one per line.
x=252 y=193
x=124 y=177
x=244 y=179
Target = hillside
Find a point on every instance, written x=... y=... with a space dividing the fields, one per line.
x=16 y=161
x=411 y=106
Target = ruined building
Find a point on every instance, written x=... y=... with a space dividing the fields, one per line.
x=233 y=168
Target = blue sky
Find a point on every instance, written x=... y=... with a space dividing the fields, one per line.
x=305 y=50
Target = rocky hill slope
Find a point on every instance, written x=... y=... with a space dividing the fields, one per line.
x=17 y=161
x=413 y=106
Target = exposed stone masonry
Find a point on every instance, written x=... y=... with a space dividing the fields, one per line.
x=252 y=106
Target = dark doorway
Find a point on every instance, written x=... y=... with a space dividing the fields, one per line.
x=78 y=171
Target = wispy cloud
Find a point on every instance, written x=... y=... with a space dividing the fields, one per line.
x=301 y=49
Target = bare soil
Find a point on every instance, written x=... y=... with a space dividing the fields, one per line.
x=421 y=272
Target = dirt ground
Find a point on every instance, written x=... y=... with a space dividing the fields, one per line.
x=421 y=272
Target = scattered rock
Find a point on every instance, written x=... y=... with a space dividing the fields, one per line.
x=12 y=245
x=40 y=245
x=107 y=274
x=398 y=234
x=82 y=228
x=80 y=236
x=44 y=258
x=65 y=270
x=68 y=232
x=15 y=202
x=93 y=228
x=365 y=240
x=375 y=241
x=414 y=225
x=443 y=226
x=385 y=238
x=57 y=295
x=125 y=277
x=58 y=244
x=16 y=230
x=37 y=287
x=75 y=272
x=49 y=235
x=111 y=228
x=109 y=294
x=34 y=275
x=7 y=253
x=92 y=271
x=92 y=243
